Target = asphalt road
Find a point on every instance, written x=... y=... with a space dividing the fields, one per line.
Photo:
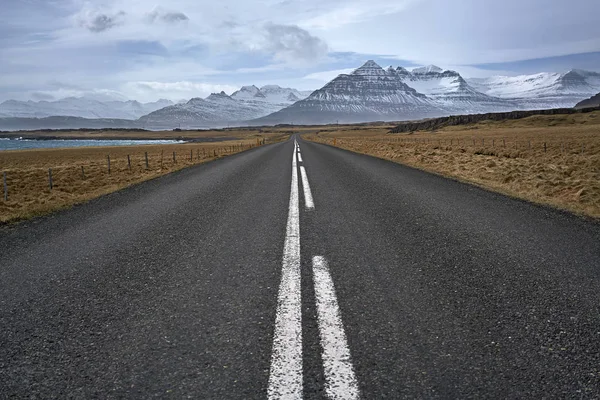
x=224 y=281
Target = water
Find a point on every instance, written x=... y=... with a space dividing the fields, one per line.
x=14 y=144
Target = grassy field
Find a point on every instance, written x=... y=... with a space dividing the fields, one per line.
x=27 y=171
x=553 y=160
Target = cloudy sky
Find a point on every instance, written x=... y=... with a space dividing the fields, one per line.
x=178 y=49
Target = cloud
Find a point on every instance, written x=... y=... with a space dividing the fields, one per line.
x=108 y=43
x=352 y=12
x=326 y=76
x=290 y=43
x=100 y=22
x=170 y=17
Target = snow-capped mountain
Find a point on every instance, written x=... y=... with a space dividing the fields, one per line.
x=450 y=90
x=219 y=109
x=273 y=94
x=216 y=109
x=543 y=90
x=270 y=98
x=427 y=70
x=368 y=93
x=80 y=107
x=371 y=93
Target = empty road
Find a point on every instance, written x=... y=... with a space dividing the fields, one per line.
x=301 y=271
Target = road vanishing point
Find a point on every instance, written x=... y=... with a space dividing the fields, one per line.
x=298 y=270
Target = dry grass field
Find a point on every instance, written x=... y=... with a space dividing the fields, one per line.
x=553 y=160
x=27 y=171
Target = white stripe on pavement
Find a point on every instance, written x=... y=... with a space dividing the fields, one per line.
x=299 y=157
x=308 y=199
x=285 y=376
x=340 y=381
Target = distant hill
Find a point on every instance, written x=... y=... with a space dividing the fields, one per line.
x=454 y=120
x=593 y=101
x=15 y=124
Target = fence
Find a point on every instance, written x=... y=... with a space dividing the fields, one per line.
x=494 y=144
x=114 y=170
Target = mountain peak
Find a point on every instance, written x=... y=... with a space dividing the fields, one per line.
x=402 y=72
x=369 y=68
x=219 y=97
x=427 y=69
x=249 y=88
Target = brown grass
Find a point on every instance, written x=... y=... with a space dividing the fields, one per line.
x=506 y=156
x=27 y=172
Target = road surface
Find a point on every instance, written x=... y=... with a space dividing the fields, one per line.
x=301 y=271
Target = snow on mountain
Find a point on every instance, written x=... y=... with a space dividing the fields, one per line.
x=451 y=91
x=272 y=94
x=542 y=90
x=373 y=93
x=80 y=107
x=249 y=93
x=368 y=93
x=427 y=70
x=218 y=109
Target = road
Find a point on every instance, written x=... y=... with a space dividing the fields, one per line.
x=314 y=274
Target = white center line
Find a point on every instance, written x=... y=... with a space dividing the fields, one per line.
x=285 y=377
x=299 y=157
x=308 y=199
x=340 y=381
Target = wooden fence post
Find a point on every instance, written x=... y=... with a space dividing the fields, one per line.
x=128 y=162
x=191 y=155
x=146 y=155
x=82 y=173
x=544 y=147
x=50 y=178
x=108 y=161
x=5 y=186
x=174 y=160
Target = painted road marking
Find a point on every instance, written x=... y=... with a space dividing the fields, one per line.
x=308 y=199
x=340 y=381
x=299 y=157
x=285 y=376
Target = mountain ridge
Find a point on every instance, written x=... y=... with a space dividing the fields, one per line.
x=368 y=93
x=80 y=107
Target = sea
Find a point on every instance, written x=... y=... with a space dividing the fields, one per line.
x=22 y=144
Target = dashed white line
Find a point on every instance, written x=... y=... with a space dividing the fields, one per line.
x=340 y=381
x=299 y=157
x=285 y=376
x=308 y=199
